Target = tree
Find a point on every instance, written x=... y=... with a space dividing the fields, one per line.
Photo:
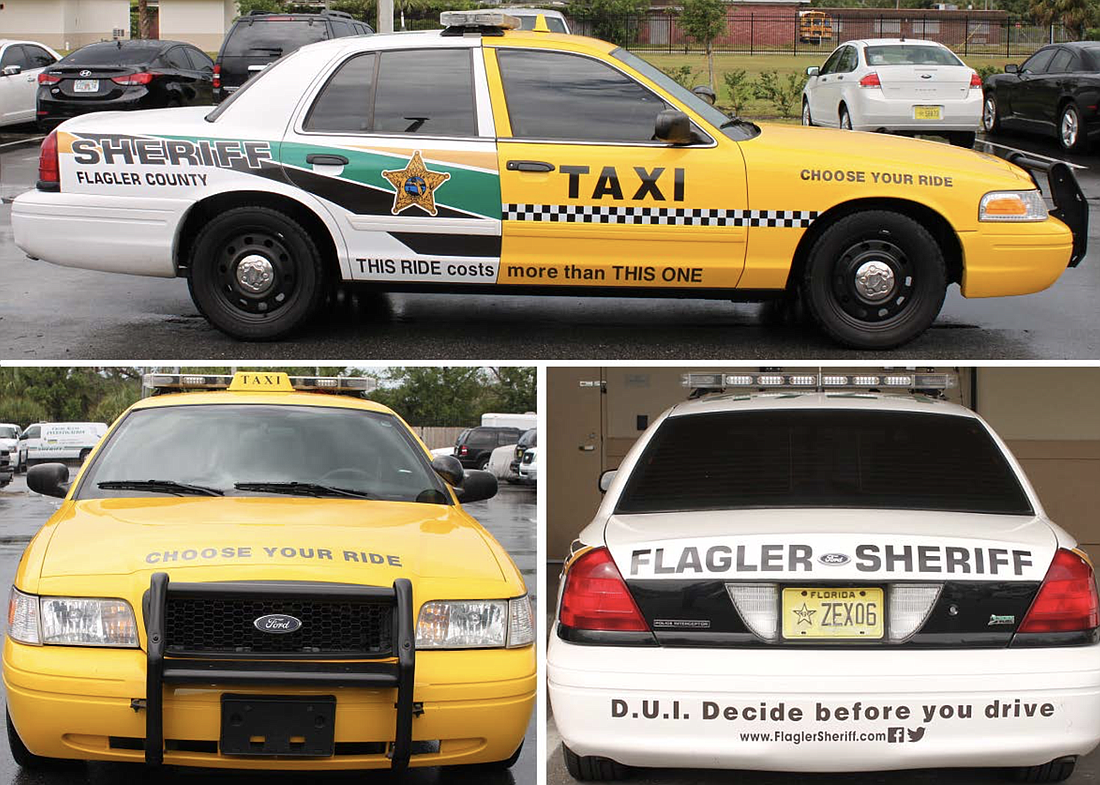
x=612 y=20
x=145 y=22
x=704 y=21
x=1076 y=15
x=516 y=390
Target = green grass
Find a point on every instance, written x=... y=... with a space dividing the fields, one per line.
x=754 y=65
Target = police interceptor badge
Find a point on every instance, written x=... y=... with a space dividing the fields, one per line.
x=415 y=185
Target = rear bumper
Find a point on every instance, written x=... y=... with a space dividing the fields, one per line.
x=601 y=696
x=52 y=111
x=874 y=111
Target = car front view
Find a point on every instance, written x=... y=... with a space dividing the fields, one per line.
x=266 y=577
x=832 y=580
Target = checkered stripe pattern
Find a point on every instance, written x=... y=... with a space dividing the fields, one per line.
x=661 y=216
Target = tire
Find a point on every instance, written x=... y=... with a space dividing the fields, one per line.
x=24 y=757
x=962 y=138
x=845 y=118
x=483 y=463
x=84 y=455
x=592 y=768
x=279 y=248
x=1055 y=771
x=807 y=120
x=869 y=315
x=991 y=118
x=1071 y=134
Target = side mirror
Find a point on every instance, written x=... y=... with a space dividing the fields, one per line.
x=813 y=70
x=673 y=127
x=606 y=479
x=477 y=487
x=49 y=479
x=706 y=92
x=450 y=469
x=1012 y=68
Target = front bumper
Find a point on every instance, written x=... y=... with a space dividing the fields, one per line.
x=601 y=696
x=419 y=709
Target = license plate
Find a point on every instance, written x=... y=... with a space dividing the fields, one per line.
x=926 y=113
x=831 y=613
x=278 y=725
x=86 y=86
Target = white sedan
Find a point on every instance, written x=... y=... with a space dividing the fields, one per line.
x=20 y=64
x=894 y=85
x=865 y=582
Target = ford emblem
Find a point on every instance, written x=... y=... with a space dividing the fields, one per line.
x=277 y=623
x=833 y=559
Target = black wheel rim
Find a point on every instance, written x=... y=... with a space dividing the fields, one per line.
x=256 y=274
x=873 y=282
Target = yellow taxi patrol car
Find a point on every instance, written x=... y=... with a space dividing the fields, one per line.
x=485 y=159
x=266 y=577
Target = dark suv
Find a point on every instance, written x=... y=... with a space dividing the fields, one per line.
x=259 y=39
x=474 y=445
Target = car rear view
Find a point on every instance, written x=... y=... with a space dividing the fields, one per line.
x=255 y=42
x=829 y=581
x=99 y=77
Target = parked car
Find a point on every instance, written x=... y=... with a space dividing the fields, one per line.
x=530 y=438
x=58 y=441
x=7 y=467
x=501 y=464
x=9 y=436
x=20 y=64
x=124 y=76
x=1053 y=93
x=887 y=84
x=555 y=20
x=257 y=40
x=529 y=466
x=474 y=445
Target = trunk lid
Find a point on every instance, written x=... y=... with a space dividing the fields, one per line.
x=924 y=83
x=92 y=82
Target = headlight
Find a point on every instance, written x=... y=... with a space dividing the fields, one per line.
x=475 y=624
x=1012 y=206
x=70 y=621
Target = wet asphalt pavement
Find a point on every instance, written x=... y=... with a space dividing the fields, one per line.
x=52 y=312
x=1087 y=770
x=510 y=517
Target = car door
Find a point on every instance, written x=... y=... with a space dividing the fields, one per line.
x=591 y=198
x=183 y=79
x=1024 y=91
x=843 y=83
x=203 y=68
x=17 y=102
x=1055 y=83
x=400 y=144
x=30 y=440
x=822 y=94
x=38 y=60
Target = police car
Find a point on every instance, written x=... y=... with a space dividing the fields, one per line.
x=830 y=581
x=482 y=158
x=266 y=577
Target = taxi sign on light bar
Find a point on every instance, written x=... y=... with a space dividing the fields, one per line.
x=910 y=380
x=255 y=381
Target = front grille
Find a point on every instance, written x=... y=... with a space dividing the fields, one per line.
x=212 y=625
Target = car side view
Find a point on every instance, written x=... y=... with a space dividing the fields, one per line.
x=1053 y=93
x=20 y=64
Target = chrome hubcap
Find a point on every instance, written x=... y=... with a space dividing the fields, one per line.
x=1069 y=128
x=255 y=274
x=874 y=281
x=990 y=111
x=805 y=114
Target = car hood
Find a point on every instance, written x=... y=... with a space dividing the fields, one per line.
x=830 y=544
x=268 y=538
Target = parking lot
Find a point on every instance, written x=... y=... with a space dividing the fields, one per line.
x=57 y=313
x=510 y=517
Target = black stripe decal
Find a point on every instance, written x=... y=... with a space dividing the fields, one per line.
x=436 y=244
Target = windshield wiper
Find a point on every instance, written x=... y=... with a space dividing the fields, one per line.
x=303 y=488
x=164 y=486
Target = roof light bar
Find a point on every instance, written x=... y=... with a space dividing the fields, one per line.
x=254 y=381
x=479 y=19
x=914 y=380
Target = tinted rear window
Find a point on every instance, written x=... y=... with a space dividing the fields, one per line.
x=823 y=458
x=263 y=37
x=111 y=54
x=910 y=55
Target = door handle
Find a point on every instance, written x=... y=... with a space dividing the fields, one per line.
x=587 y=448
x=529 y=166
x=326 y=159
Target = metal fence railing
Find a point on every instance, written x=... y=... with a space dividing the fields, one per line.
x=976 y=33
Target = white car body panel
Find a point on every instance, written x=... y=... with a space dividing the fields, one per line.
x=62 y=441
x=529 y=470
x=500 y=462
x=19 y=93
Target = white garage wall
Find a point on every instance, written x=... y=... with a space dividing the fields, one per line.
x=199 y=22
x=65 y=24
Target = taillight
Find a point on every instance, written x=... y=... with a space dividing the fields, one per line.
x=49 y=171
x=871 y=80
x=462 y=450
x=44 y=78
x=975 y=81
x=130 y=80
x=1067 y=600
x=595 y=596
x=217 y=76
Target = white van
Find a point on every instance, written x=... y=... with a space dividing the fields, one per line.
x=501 y=420
x=58 y=441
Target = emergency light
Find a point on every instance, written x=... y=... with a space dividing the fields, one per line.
x=456 y=22
x=909 y=380
x=255 y=381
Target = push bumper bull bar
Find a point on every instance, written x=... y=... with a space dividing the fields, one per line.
x=1071 y=207
x=162 y=670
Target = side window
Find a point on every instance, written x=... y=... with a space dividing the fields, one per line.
x=33 y=432
x=556 y=95
x=340 y=27
x=1060 y=63
x=1076 y=62
x=425 y=91
x=344 y=103
x=1038 y=62
x=37 y=57
x=13 y=55
x=177 y=58
x=199 y=60
x=849 y=60
x=831 y=64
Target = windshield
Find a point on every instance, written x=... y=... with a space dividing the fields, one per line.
x=823 y=458
x=910 y=55
x=7 y=432
x=111 y=54
x=278 y=36
x=738 y=131
x=218 y=446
